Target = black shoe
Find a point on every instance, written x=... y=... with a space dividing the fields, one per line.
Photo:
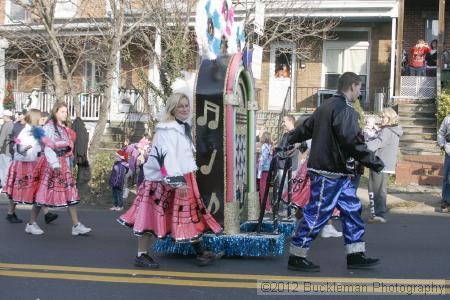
x=208 y=258
x=360 y=261
x=445 y=206
x=50 y=217
x=297 y=263
x=12 y=218
x=145 y=261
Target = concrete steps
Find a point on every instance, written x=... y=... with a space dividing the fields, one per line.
x=116 y=133
x=421 y=162
x=418 y=120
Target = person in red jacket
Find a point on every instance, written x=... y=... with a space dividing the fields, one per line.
x=417 y=58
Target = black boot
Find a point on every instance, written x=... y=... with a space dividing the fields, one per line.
x=12 y=218
x=145 y=261
x=50 y=217
x=204 y=257
x=359 y=260
x=297 y=263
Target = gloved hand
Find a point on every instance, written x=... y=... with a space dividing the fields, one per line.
x=291 y=137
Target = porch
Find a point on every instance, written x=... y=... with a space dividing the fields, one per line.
x=131 y=101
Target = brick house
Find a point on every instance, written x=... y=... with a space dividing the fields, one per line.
x=28 y=79
x=363 y=43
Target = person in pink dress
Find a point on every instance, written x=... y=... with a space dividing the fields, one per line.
x=23 y=178
x=168 y=201
x=56 y=185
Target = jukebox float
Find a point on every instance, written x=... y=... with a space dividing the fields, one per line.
x=224 y=124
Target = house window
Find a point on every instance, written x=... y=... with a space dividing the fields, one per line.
x=431 y=30
x=11 y=75
x=17 y=13
x=93 y=76
x=66 y=8
x=341 y=57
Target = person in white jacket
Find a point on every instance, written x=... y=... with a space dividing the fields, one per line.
x=23 y=176
x=168 y=201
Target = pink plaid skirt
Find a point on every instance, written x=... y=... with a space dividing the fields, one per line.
x=161 y=210
x=22 y=181
x=56 y=190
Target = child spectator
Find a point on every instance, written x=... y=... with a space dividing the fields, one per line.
x=144 y=150
x=371 y=130
x=385 y=147
x=117 y=179
x=263 y=165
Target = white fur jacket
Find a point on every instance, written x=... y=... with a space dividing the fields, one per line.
x=171 y=154
x=27 y=146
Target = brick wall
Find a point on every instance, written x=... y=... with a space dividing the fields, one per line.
x=2 y=11
x=263 y=83
x=380 y=59
x=309 y=78
x=416 y=12
x=92 y=8
x=30 y=77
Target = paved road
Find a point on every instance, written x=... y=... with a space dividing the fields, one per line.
x=413 y=248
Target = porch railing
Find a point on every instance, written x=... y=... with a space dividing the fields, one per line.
x=309 y=98
x=89 y=102
x=418 y=87
x=134 y=98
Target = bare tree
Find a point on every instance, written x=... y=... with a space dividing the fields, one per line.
x=291 y=21
x=44 y=42
x=137 y=24
x=173 y=22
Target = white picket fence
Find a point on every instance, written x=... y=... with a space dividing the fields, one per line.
x=90 y=102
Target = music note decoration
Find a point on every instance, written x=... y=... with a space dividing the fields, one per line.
x=213 y=201
x=206 y=169
x=209 y=106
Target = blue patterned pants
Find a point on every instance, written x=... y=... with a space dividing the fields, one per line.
x=326 y=194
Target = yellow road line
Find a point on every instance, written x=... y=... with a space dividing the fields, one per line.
x=180 y=282
x=216 y=275
x=163 y=281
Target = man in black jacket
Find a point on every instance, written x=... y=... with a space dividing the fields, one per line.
x=335 y=137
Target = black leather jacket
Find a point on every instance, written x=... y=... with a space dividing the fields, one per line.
x=335 y=137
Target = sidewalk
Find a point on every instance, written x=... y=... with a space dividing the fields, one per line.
x=409 y=200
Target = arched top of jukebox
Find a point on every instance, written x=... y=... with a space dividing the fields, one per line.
x=217 y=33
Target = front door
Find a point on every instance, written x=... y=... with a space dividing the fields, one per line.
x=282 y=76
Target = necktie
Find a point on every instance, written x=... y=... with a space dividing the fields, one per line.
x=187 y=129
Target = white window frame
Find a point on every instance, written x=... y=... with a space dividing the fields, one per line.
x=13 y=66
x=66 y=9
x=91 y=76
x=8 y=20
x=293 y=68
x=428 y=35
x=347 y=47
